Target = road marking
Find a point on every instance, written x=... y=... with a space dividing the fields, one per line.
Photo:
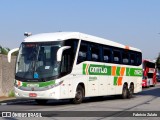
x=16 y=102
x=3 y=103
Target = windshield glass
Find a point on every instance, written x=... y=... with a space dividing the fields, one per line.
x=38 y=60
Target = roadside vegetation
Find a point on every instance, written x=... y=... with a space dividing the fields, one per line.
x=11 y=94
x=5 y=50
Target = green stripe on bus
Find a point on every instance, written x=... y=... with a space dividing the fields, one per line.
x=84 y=68
x=118 y=71
x=136 y=72
x=106 y=70
x=24 y=84
x=40 y=84
x=99 y=70
x=127 y=72
x=115 y=80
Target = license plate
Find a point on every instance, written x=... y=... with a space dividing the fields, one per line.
x=32 y=94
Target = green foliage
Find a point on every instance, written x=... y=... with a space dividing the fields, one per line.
x=5 y=51
x=11 y=94
x=15 y=53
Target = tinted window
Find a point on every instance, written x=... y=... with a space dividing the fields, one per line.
x=95 y=52
x=138 y=58
x=82 y=54
x=132 y=59
x=150 y=75
x=116 y=57
x=125 y=57
x=68 y=56
x=107 y=55
x=103 y=53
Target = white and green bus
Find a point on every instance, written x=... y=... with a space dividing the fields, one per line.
x=73 y=65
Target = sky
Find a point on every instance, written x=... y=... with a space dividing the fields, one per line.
x=130 y=22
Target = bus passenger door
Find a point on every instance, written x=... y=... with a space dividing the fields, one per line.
x=66 y=67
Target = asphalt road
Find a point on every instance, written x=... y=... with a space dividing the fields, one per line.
x=147 y=100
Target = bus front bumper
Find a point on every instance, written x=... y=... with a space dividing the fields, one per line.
x=47 y=94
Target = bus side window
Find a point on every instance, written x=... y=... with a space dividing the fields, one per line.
x=132 y=59
x=139 y=58
x=95 y=53
x=116 y=57
x=107 y=55
x=125 y=57
x=82 y=54
x=66 y=62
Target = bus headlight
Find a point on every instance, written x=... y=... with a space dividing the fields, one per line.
x=16 y=94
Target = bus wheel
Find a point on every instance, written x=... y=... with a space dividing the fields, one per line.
x=79 y=95
x=41 y=102
x=124 y=92
x=131 y=91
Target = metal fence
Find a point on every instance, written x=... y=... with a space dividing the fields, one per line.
x=6 y=75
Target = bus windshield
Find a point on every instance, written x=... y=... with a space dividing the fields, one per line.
x=38 y=60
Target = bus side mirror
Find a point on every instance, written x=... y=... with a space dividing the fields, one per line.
x=60 y=51
x=10 y=53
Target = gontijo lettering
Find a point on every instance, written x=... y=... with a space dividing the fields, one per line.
x=93 y=69
x=98 y=70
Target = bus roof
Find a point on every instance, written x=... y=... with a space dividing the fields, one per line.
x=58 y=36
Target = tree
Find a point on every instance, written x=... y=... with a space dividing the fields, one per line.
x=15 y=53
x=4 y=51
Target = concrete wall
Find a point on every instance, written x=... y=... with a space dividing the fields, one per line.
x=6 y=75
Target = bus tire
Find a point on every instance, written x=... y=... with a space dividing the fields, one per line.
x=124 y=92
x=131 y=91
x=79 y=95
x=41 y=102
